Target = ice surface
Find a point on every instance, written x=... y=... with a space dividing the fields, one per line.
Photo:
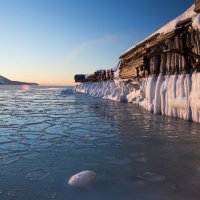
x=9 y=160
x=37 y=174
x=151 y=177
x=130 y=149
x=16 y=193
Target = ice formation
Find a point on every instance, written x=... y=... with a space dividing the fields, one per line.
x=175 y=95
x=67 y=91
x=82 y=179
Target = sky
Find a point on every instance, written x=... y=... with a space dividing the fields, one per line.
x=49 y=41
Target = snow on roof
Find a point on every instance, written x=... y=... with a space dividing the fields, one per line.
x=172 y=25
x=116 y=67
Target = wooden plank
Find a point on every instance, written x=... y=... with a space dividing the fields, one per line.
x=184 y=22
x=79 y=78
x=177 y=50
x=131 y=69
x=197 y=6
x=140 y=44
x=128 y=72
x=136 y=62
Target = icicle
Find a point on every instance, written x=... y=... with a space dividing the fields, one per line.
x=157 y=101
x=150 y=93
x=195 y=97
x=163 y=95
x=171 y=95
x=175 y=77
x=187 y=89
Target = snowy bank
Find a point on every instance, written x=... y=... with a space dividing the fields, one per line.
x=175 y=95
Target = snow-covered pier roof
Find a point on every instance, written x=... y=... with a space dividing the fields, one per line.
x=188 y=16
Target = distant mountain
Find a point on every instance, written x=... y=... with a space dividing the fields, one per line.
x=5 y=81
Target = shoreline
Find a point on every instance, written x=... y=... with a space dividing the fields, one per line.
x=171 y=95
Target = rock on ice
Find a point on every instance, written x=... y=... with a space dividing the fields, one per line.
x=82 y=179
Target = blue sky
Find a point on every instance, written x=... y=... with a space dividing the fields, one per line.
x=48 y=41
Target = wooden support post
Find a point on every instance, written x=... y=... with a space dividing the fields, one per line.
x=186 y=66
x=146 y=66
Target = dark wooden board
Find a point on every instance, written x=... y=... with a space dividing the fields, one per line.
x=197 y=6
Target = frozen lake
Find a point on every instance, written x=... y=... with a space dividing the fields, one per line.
x=45 y=138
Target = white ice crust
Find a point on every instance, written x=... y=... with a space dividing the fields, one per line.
x=170 y=95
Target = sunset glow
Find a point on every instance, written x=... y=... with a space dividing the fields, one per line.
x=48 y=42
x=25 y=87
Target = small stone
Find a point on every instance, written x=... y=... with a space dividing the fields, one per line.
x=82 y=179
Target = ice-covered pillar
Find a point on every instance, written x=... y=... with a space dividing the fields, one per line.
x=157 y=99
x=150 y=92
x=123 y=95
x=163 y=95
x=187 y=88
x=195 y=97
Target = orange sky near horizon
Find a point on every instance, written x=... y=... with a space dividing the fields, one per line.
x=48 y=42
x=42 y=78
x=41 y=81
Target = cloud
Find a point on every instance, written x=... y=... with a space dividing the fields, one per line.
x=86 y=46
x=82 y=57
